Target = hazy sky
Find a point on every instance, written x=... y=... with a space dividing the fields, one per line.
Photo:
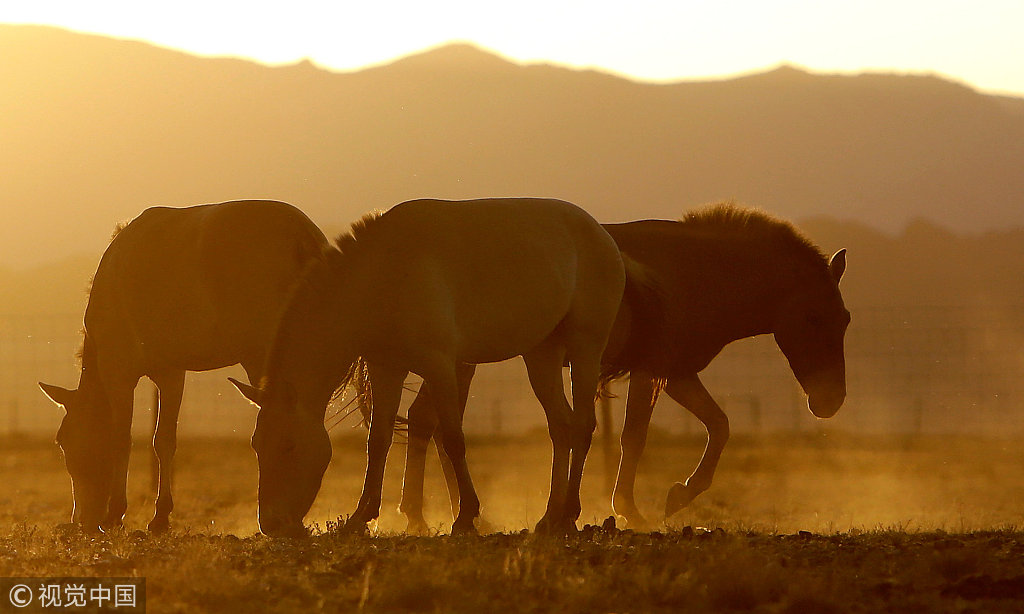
x=979 y=42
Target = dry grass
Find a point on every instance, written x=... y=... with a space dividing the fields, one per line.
x=895 y=525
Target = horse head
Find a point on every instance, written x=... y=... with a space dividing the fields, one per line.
x=293 y=450
x=810 y=330
x=85 y=438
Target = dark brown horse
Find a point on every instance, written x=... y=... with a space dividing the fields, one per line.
x=722 y=274
x=177 y=290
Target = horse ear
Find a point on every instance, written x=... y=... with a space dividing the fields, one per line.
x=254 y=394
x=60 y=396
x=837 y=265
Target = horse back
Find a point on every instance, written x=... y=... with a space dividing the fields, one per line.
x=492 y=277
x=197 y=286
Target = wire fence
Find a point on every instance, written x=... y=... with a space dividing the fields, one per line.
x=909 y=370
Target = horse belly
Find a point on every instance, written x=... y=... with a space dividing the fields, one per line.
x=519 y=325
x=513 y=310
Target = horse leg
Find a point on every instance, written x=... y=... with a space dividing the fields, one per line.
x=640 y=401
x=584 y=373
x=448 y=471
x=544 y=367
x=165 y=442
x=122 y=400
x=464 y=374
x=422 y=426
x=386 y=385
x=691 y=394
x=450 y=391
x=423 y=423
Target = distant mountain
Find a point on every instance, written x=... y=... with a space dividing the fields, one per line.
x=92 y=130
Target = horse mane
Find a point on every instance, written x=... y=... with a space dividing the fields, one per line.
x=357 y=377
x=332 y=257
x=729 y=218
x=80 y=350
x=118 y=227
x=349 y=242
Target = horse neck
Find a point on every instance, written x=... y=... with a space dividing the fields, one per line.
x=313 y=348
x=90 y=382
x=746 y=300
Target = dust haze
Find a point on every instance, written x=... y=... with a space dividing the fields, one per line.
x=918 y=178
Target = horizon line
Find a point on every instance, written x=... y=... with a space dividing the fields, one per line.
x=499 y=55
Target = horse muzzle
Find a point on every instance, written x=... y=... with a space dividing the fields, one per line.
x=278 y=526
x=826 y=405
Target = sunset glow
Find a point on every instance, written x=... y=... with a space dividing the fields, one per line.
x=975 y=42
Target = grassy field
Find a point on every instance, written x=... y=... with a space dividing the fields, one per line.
x=811 y=523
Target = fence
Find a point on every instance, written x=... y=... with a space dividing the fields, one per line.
x=909 y=369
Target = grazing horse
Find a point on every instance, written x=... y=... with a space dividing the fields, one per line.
x=722 y=273
x=423 y=288
x=177 y=290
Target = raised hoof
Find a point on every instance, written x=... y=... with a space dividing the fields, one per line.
x=158 y=526
x=679 y=496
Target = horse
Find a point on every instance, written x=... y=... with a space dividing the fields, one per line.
x=176 y=290
x=721 y=274
x=422 y=288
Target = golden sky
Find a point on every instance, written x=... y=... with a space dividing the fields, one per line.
x=974 y=41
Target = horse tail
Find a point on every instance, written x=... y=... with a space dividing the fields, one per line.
x=644 y=299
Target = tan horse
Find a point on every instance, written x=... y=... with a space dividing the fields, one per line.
x=423 y=288
x=177 y=290
x=722 y=274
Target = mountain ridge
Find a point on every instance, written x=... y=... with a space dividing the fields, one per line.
x=95 y=129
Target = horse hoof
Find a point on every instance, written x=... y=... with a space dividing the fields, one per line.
x=68 y=529
x=355 y=527
x=417 y=528
x=679 y=496
x=638 y=523
x=91 y=529
x=463 y=528
x=484 y=527
x=555 y=528
x=158 y=526
x=111 y=526
x=543 y=527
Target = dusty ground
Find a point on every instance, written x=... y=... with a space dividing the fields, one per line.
x=814 y=523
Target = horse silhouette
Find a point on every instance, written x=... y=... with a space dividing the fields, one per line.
x=177 y=289
x=423 y=288
x=721 y=274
